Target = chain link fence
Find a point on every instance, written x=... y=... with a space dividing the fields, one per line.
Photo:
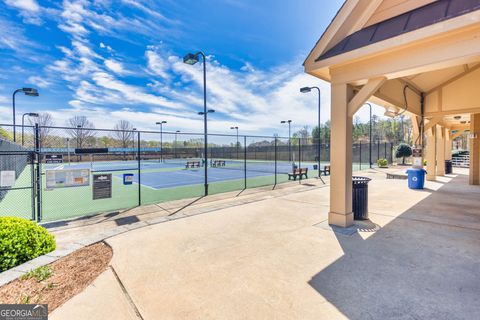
x=63 y=172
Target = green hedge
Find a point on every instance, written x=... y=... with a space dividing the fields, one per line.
x=22 y=240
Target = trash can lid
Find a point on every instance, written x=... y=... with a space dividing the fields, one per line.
x=360 y=179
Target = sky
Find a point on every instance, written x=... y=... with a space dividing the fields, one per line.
x=122 y=60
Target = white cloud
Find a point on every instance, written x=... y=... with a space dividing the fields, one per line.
x=28 y=5
x=104 y=46
x=133 y=93
x=156 y=64
x=115 y=66
x=30 y=10
x=39 y=81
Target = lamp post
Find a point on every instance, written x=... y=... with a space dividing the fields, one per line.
x=161 y=138
x=28 y=92
x=30 y=114
x=178 y=131
x=319 y=145
x=370 y=137
x=191 y=59
x=236 y=128
x=289 y=139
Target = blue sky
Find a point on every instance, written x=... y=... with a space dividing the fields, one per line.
x=112 y=60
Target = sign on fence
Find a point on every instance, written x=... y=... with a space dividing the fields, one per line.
x=53 y=158
x=127 y=178
x=67 y=178
x=102 y=186
x=7 y=178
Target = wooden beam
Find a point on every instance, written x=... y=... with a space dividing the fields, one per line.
x=366 y=92
x=432 y=122
x=456 y=134
x=464 y=126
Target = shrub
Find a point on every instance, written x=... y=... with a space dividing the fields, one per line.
x=22 y=240
x=382 y=163
x=403 y=151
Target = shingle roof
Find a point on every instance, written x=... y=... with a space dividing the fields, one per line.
x=418 y=18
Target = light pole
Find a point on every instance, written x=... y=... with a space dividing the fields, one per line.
x=30 y=114
x=289 y=139
x=319 y=145
x=176 y=132
x=161 y=123
x=28 y=92
x=236 y=128
x=191 y=59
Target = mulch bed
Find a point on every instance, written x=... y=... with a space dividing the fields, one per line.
x=71 y=275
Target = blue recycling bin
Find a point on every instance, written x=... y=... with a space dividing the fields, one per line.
x=416 y=178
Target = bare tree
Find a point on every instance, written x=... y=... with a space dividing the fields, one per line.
x=81 y=130
x=45 y=124
x=123 y=133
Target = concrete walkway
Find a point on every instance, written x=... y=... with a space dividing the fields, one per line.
x=277 y=258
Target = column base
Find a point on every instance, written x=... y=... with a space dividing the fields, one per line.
x=431 y=178
x=440 y=173
x=340 y=219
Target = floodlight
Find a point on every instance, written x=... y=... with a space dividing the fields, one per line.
x=305 y=89
x=190 y=58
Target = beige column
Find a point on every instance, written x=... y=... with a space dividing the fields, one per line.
x=430 y=157
x=474 y=142
x=440 y=152
x=341 y=157
x=448 y=144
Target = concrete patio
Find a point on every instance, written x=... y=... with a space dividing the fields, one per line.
x=277 y=258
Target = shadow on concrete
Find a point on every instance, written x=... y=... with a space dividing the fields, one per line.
x=424 y=264
x=186 y=206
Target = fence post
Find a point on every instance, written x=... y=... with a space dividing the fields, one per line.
x=360 y=157
x=31 y=156
x=391 y=152
x=245 y=161
x=299 y=140
x=38 y=182
x=275 y=144
x=385 y=147
x=378 y=149
x=139 y=171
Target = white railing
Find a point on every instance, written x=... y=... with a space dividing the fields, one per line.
x=461 y=161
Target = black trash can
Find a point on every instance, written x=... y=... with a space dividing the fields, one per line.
x=448 y=167
x=360 y=198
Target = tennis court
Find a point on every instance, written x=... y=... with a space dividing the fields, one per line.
x=159 y=182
